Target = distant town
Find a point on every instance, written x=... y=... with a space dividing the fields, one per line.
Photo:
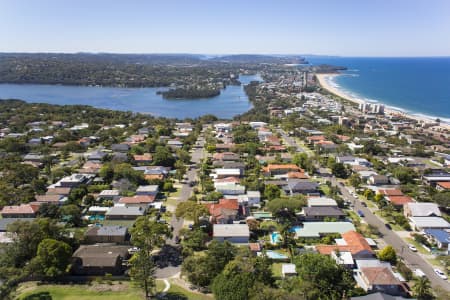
x=308 y=195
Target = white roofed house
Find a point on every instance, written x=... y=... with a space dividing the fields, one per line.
x=231 y=189
x=234 y=233
x=222 y=173
x=422 y=223
x=147 y=190
x=421 y=209
x=321 y=201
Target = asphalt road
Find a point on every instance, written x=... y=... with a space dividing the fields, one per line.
x=177 y=224
x=412 y=259
x=186 y=190
x=289 y=140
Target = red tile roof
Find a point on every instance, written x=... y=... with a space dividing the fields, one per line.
x=400 y=200
x=20 y=209
x=444 y=185
x=391 y=192
x=289 y=167
x=380 y=276
x=356 y=243
x=137 y=199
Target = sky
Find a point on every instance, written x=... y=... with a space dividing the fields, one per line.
x=321 y=27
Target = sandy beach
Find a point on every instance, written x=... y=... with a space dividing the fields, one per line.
x=325 y=81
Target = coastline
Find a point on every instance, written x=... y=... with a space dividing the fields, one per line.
x=324 y=81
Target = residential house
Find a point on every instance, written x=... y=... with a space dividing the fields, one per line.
x=299 y=186
x=278 y=169
x=124 y=213
x=150 y=190
x=318 y=229
x=222 y=173
x=230 y=189
x=175 y=144
x=288 y=270
x=421 y=209
x=5 y=222
x=395 y=197
x=321 y=202
x=99 y=259
x=63 y=191
x=379 y=296
x=141 y=201
x=51 y=199
x=234 y=233
x=378 y=180
x=352 y=242
x=422 y=223
x=439 y=236
x=145 y=158
x=443 y=186
x=379 y=279
x=320 y=213
x=20 y=211
x=225 y=147
x=109 y=195
x=224 y=212
x=107 y=234
x=226 y=156
x=120 y=148
x=436 y=176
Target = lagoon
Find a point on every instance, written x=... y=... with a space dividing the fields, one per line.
x=231 y=101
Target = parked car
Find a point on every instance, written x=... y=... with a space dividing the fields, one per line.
x=388 y=226
x=412 y=248
x=419 y=273
x=440 y=274
x=364 y=204
x=360 y=213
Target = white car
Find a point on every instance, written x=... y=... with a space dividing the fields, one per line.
x=412 y=248
x=440 y=274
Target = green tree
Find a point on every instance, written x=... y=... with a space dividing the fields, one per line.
x=322 y=278
x=71 y=214
x=291 y=204
x=271 y=192
x=149 y=234
x=339 y=170
x=422 y=289
x=180 y=170
x=193 y=240
x=142 y=271
x=355 y=181
x=388 y=254
x=53 y=258
x=191 y=210
x=163 y=157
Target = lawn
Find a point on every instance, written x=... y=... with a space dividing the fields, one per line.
x=176 y=290
x=325 y=189
x=276 y=270
x=115 y=291
x=417 y=245
x=125 y=223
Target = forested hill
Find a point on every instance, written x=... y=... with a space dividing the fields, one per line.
x=126 y=70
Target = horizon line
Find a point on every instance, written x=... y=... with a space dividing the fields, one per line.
x=225 y=54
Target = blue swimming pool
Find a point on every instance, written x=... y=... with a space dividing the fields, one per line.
x=275 y=237
x=96 y=218
x=275 y=255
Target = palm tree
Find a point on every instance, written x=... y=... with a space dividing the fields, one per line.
x=422 y=289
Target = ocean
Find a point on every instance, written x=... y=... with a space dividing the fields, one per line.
x=419 y=86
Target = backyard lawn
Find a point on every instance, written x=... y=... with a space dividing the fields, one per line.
x=115 y=291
